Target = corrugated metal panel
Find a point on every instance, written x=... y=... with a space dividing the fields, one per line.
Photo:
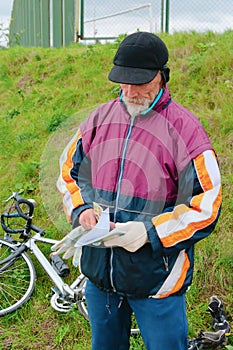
x=34 y=25
x=68 y=22
x=37 y=23
x=57 y=23
x=24 y=23
x=45 y=22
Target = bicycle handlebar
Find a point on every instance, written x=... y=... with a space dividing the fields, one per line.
x=26 y=215
x=5 y=227
x=19 y=201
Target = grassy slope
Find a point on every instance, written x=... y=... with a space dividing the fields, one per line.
x=41 y=88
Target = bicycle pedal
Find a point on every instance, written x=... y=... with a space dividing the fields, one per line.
x=219 y=320
x=208 y=340
x=59 y=265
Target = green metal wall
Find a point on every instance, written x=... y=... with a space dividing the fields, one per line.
x=42 y=23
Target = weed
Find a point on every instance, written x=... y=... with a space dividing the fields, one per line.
x=12 y=113
x=55 y=121
x=62 y=332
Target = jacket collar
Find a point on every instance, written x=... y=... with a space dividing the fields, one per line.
x=164 y=100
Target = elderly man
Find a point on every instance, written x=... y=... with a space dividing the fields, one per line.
x=149 y=161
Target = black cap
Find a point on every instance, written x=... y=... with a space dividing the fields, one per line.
x=138 y=59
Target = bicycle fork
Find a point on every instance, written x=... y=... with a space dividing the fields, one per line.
x=7 y=262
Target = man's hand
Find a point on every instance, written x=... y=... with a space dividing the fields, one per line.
x=88 y=219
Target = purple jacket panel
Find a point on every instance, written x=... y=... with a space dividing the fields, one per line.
x=161 y=144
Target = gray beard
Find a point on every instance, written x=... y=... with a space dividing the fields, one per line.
x=135 y=106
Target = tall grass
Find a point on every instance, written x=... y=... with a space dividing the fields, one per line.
x=45 y=94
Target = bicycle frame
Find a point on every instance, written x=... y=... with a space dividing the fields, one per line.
x=64 y=288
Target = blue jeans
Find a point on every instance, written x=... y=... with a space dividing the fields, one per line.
x=162 y=322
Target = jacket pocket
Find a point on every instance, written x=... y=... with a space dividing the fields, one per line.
x=138 y=274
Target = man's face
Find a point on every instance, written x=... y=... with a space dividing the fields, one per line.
x=138 y=98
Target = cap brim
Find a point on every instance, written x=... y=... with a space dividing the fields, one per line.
x=130 y=75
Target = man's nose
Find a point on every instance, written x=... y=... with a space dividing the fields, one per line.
x=132 y=91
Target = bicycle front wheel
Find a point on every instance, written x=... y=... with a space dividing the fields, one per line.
x=17 y=279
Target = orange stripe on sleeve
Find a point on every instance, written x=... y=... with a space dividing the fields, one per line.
x=70 y=190
x=67 y=165
x=202 y=172
x=174 y=215
x=184 y=221
x=188 y=232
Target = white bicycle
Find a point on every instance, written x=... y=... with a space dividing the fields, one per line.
x=17 y=271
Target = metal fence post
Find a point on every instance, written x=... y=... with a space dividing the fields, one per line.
x=81 y=19
x=167 y=15
x=77 y=19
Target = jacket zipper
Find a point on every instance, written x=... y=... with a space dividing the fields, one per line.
x=129 y=131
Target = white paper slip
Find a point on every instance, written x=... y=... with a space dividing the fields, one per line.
x=100 y=231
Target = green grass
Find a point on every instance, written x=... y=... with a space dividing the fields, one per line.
x=45 y=94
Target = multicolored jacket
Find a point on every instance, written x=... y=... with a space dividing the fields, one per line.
x=158 y=168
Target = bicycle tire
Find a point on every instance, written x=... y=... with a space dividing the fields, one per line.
x=17 y=281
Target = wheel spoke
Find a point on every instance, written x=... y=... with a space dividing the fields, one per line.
x=17 y=281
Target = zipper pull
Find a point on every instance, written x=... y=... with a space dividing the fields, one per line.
x=108 y=306
x=120 y=302
x=165 y=259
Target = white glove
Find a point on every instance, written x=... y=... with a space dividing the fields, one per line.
x=134 y=238
x=66 y=245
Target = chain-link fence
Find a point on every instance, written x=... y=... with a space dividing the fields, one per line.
x=105 y=19
x=60 y=22
x=201 y=15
